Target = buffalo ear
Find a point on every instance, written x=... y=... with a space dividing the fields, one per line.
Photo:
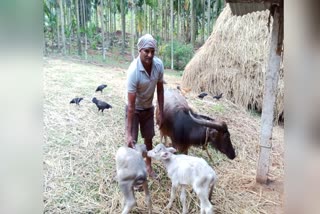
x=165 y=155
x=171 y=149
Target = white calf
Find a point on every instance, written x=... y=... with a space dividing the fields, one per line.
x=187 y=170
x=131 y=171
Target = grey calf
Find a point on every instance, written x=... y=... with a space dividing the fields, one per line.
x=132 y=171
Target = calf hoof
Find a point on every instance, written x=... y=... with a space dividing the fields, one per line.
x=168 y=206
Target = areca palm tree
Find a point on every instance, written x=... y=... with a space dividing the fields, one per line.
x=60 y=4
x=123 y=23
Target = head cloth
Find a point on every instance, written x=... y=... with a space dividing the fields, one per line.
x=147 y=41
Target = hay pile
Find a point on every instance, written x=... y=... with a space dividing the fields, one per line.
x=233 y=61
x=80 y=145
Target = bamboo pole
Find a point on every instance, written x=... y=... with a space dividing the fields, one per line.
x=269 y=97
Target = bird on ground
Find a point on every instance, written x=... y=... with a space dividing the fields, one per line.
x=101 y=104
x=101 y=87
x=178 y=87
x=202 y=95
x=76 y=100
x=217 y=96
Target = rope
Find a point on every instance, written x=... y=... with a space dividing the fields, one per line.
x=267 y=147
x=205 y=145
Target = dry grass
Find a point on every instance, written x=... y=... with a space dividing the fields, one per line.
x=233 y=61
x=80 y=145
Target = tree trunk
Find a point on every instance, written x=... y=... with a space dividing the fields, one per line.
x=85 y=30
x=102 y=31
x=58 y=29
x=182 y=20
x=132 y=30
x=155 y=29
x=63 y=37
x=215 y=10
x=97 y=18
x=150 y=20
x=162 y=18
x=193 y=23
x=269 y=97
x=70 y=29
x=166 y=22
x=209 y=19
x=123 y=23
x=78 y=28
x=178 y=20
x=171 y=14
x=114 y=22
x=111 y=30
x=110 y=17
x=203 y=20
x=107 y=26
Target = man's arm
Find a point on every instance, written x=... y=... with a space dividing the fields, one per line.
x=131 y=110
x=160 y=101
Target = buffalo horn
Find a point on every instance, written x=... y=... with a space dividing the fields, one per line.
x=212 y=124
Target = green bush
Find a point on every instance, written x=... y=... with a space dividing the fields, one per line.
x=182 y=53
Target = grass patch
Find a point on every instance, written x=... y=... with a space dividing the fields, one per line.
x=218 y=108
x=254 y=113
x=173 y=73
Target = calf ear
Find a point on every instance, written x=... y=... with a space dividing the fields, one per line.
x=171 y=149
x=165 y=155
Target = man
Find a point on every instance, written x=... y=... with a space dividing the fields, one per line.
x=143 y=76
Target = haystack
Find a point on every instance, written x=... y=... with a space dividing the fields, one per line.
x=233 y=61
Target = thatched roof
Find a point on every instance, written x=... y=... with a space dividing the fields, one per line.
x=233 y=61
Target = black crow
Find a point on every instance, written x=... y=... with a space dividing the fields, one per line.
x=76 y=100
x=178 y=87
x=202 y=95
x=101 y=87
x=218 y=96
x=101 y=104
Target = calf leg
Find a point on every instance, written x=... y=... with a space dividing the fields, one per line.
x=203 y=193
x=183 y=199
x=129 y=199
x=205 y=205
x=148 y=198
x=172 y=195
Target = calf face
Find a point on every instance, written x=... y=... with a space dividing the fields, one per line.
x=160 y=152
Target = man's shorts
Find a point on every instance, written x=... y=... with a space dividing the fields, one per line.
x=144 y=119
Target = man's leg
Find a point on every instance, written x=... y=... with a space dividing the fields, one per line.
x=148 y=143
x=147 y=132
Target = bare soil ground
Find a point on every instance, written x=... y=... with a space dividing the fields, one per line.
x=80 y=144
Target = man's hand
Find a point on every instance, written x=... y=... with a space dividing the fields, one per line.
x=131 y=142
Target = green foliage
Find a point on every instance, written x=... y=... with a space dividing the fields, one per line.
x=218 y=108
x=97 y=39
x=254 y=113
x=182 y=53
x=91 y=29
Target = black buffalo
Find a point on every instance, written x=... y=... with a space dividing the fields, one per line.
x=186 y=128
